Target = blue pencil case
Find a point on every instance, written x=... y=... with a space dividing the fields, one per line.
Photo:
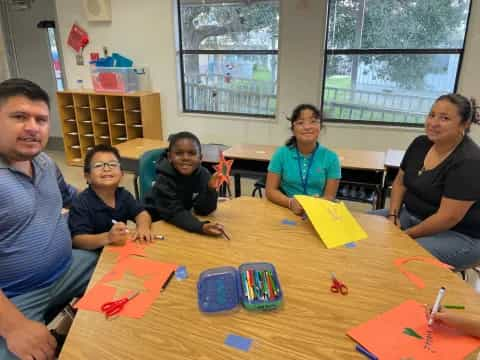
x=254 y=285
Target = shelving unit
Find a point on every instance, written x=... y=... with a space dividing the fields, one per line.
x=89 y=118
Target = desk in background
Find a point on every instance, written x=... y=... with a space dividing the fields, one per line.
x=359 y=167
x=393 y=159
x=312 y=323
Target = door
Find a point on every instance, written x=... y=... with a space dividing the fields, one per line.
x=30 y=39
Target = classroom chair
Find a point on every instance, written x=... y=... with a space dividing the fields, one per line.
x=145 y=176
x=258 y=186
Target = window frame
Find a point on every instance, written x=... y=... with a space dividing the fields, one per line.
x=181 y=52
x=389 y=51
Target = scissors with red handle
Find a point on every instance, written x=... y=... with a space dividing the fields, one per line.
x=338 y=287
x=114 y=307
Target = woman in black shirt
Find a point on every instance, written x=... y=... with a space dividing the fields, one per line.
x=435 y=196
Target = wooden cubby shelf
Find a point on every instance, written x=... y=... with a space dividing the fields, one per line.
x=89 y=118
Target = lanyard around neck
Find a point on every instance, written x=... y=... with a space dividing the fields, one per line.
x=304 y=180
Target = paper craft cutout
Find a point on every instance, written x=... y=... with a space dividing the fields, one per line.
x=223 y=169
x=411 y=332
x=400 y=262
x=381 y=336
x=155 y=274
x=333 y=221
x=130 y=248
x=288 y=222
x=350 y=245
x=238 y=342
x=77 y=38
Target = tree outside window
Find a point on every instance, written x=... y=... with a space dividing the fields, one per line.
x=228 y=56
x=388 y=60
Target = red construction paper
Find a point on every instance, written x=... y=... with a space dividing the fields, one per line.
x=383 y=336
x=77 y=38
x=130 y=248
x=400 y=262
x=154 y=275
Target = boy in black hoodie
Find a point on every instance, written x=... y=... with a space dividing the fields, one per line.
x=182 y=184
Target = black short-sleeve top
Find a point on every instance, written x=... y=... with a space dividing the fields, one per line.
x=457 y=177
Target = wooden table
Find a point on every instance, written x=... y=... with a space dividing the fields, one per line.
x=358 y=166
x=132 y=150
x=312 y=322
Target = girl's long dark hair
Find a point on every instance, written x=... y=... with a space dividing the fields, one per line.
x=292 y=141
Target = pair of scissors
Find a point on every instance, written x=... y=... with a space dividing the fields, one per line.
x=114 y=307
x=338 y=287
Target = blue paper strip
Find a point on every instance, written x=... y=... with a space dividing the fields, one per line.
x=350 y=245
x=288 y=222
x=181 y=273
x=238 y=342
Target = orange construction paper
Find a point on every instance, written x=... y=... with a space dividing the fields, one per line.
x=400 y=262
x=130 y=248
x=157 y=274
x=223 y=169
x=383 y=336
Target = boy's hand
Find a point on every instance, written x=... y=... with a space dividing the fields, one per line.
x=118 y=234
x=212 y=229
x=143 y=234
x=213 y=182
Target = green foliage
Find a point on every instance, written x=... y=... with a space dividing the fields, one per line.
x=403 y=24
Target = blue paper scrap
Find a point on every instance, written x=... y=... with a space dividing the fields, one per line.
x=181 y=273
x=350 y=245
x=238 y=342
x=288 y=222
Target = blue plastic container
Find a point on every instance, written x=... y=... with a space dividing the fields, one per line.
x=224 y=288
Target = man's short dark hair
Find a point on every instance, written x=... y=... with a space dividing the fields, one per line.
x=104 y=148
x=22 y=87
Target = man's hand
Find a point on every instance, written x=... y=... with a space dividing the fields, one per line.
x=30 y=340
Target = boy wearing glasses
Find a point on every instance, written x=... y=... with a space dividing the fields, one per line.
x=99 y=214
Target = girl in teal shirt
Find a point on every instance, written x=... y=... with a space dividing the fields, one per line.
x=303 y=166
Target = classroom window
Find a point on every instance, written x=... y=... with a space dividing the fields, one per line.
x=386 y=61
x=228 y=56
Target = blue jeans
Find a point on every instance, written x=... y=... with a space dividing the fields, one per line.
x=37 y=304
x=451 y=247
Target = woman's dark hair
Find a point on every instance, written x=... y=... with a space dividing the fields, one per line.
x=103 y=148
x=172 y=139
x=467 y=108
x=292 y=141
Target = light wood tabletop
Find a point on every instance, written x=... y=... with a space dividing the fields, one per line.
x=133 y=149
x=312 y=323
x=393 y=158
x=349 y=158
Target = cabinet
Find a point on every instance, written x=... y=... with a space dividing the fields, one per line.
x=89 y=118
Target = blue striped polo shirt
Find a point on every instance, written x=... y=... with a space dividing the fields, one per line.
x=35 y=243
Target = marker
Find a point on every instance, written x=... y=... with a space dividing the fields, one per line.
x=458 y=307
x=115 y=221
x=165 y=284
x=224 y=234
x=365 y=352
x=159 y=237
x=436 y=305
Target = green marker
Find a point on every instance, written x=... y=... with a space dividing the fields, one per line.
x=458 y=307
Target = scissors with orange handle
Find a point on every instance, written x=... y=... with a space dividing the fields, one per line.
x=114 y=307
x=338 y=287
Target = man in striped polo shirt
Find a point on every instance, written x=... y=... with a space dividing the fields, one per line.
x=38 y=269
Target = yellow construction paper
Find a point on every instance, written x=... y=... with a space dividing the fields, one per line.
x=333 y=221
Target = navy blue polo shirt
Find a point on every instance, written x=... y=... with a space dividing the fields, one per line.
x=90 y=215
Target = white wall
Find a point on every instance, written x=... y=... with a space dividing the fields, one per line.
x=144 y=30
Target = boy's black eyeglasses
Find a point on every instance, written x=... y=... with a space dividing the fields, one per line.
x=101 y=165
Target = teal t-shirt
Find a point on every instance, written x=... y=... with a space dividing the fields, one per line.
x=285 y=162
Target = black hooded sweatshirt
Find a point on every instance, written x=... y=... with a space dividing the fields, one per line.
x=174 y=195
